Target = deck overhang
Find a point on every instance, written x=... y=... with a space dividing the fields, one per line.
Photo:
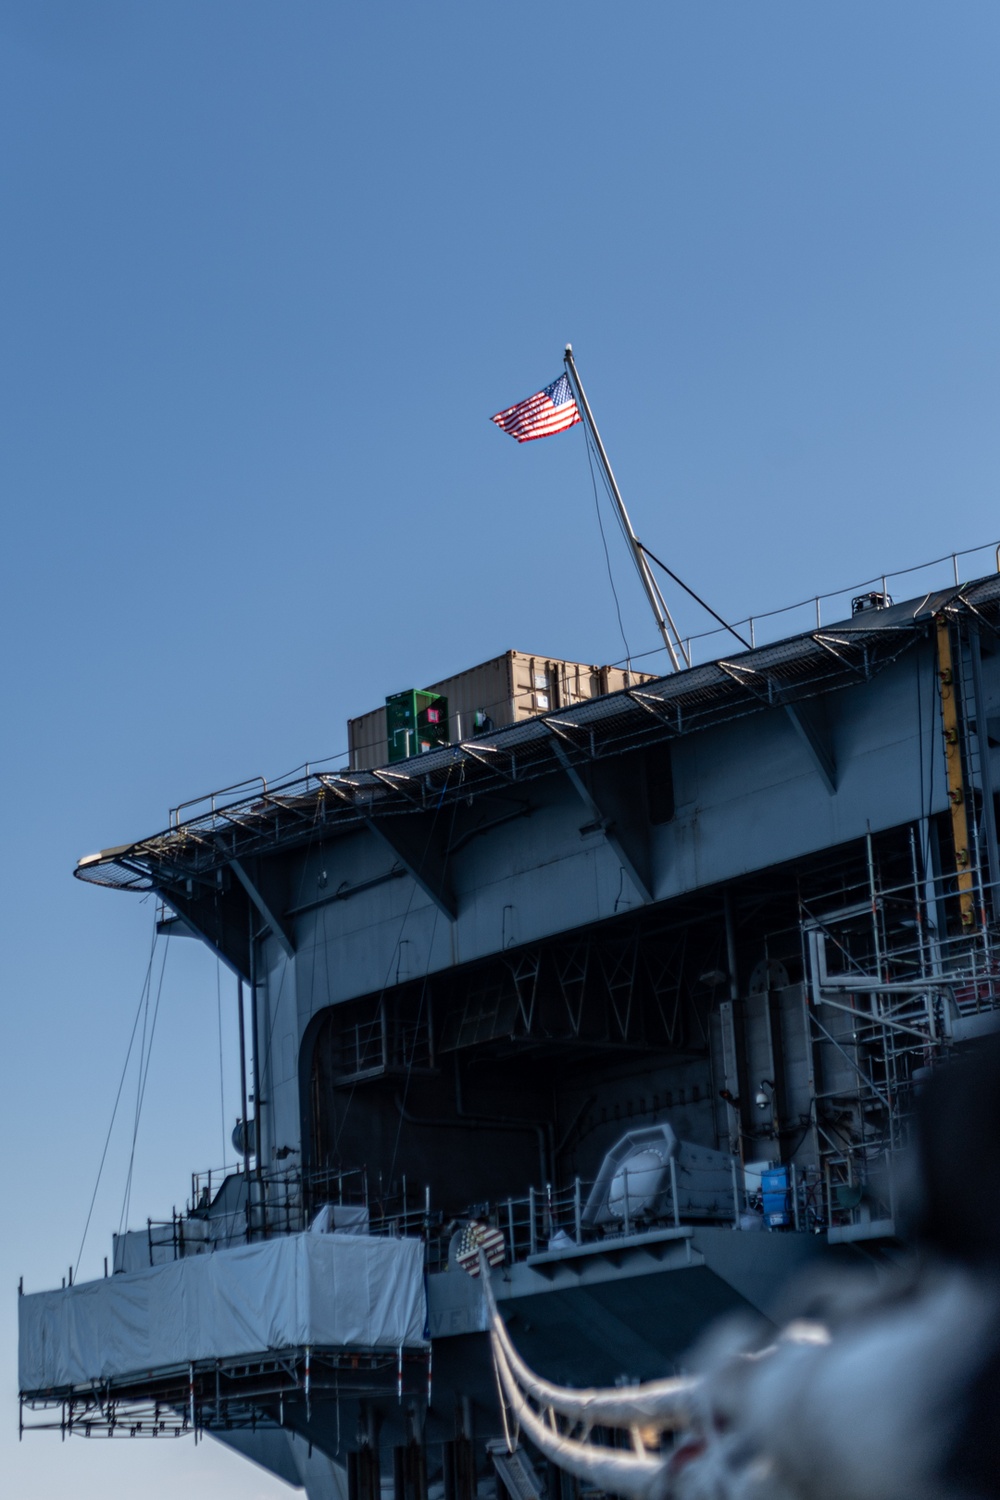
x=195 y=855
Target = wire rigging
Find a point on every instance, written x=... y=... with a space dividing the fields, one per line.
x=121 y=1084
x=604 y=540
x=143 y=1076
x=423 y=992
x=632 y=543
x=222 y=1080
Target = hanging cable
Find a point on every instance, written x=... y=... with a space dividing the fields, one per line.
x=423 y=997
x=121 y=1084
x=143 y=1076
x=222 y=1080
x=652 y=558
x=604 y=541
x=676 y=650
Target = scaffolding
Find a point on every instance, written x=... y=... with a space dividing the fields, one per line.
x=900 y=972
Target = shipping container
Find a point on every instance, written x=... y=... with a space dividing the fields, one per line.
x=415 y=721
x=503 y=691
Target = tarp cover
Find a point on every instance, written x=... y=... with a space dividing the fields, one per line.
x=318 y=1289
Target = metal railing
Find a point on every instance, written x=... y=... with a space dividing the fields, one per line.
x=811 y=613
x=899 y=980
x=759 y=629
x=895 y=979
x=544 y=1219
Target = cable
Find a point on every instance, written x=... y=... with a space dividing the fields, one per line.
x=114 y=1112
x=222 y=1080
x=607 y=555
x=423 y=996
x=144 y=1056
x=136 y=1111
x=696 y=597
x=143 y=1076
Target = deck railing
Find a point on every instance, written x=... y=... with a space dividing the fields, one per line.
x=544 y=1219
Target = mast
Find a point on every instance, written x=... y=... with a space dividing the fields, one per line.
x=657 y=603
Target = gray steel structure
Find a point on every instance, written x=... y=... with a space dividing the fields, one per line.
x=751 y=900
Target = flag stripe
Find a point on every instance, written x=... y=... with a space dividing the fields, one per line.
x=546 y=430
x=526 y=411
x=551 y=422
x=529 y=437
x=542 y=423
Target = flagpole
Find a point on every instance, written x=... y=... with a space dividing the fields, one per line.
x=664 y=621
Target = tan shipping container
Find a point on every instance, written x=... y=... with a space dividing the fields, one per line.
x=505 y=690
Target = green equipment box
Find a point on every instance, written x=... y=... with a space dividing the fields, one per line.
x=415 y=722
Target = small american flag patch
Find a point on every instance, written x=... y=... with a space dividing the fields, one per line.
x=476 y=1237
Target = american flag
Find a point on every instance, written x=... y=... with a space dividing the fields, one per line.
x=476 y=1237
x=550 y=410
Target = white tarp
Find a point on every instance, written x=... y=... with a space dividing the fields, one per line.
x=318 y=1289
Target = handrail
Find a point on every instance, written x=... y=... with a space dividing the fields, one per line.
x=816 y=600
x=210 y=797
x=310 y=768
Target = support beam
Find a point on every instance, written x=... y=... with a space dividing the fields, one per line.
x=619 y=811
x=267 y=907
x=410 y=839
x=808 y=720
x=206 y=920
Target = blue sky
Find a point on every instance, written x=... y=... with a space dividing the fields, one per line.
x=267 y=270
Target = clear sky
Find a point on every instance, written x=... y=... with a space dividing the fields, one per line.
x=266 y=270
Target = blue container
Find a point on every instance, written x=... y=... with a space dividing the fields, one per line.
x=777 y=1198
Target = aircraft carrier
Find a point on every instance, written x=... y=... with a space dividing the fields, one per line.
x=629 y=981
